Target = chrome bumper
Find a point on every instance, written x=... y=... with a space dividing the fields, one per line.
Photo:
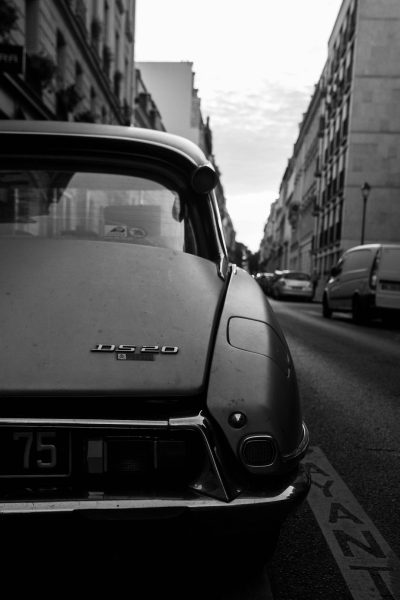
x=212 y=492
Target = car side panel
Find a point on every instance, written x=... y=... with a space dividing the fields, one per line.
x=348 y=282
x=254 y=376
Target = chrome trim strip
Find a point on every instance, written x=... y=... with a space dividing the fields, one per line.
x=223 y=267
x=98 y=423
x=201 y=424
x=301 y=448
x=200 y=502
x=210 y=481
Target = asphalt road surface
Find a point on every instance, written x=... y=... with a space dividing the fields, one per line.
x=344 y=542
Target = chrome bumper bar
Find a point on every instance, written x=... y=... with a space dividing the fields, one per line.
x=210 y=490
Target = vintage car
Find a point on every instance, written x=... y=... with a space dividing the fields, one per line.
x=145 y=379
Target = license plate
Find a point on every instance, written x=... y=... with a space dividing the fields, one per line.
x=34 y=453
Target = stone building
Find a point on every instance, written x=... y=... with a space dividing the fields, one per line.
x=76 y=60
x=349 y=136
x=360 y=141
x=301 y=206
x=172 y=86
x=145 y=113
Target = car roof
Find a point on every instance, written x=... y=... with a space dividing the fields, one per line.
x=372 y=246
x=170 y=141
x=291 y=272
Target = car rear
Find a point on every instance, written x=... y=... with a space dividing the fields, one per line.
x=105 y=347
x=124 y=333
x=294 y=284
x=386 y=280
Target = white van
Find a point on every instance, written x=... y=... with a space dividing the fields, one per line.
x=365 y=282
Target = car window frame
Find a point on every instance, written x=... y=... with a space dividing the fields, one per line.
x=199 y=206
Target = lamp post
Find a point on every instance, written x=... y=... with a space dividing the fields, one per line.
x=365 y=190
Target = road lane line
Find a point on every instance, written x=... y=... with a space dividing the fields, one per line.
x=368 y=564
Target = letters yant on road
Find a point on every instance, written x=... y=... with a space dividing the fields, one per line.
x=368 y=565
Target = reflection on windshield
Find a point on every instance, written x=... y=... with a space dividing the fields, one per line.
x=90 y=206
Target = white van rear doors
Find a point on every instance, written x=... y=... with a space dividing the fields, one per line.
x=388 y=284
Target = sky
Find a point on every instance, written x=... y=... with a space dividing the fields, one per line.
x=256 y=63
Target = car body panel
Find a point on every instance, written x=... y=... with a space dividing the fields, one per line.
x=59 y=307
x=388 y=284
x=211 y=419
x=353 y=279
x=267 y=401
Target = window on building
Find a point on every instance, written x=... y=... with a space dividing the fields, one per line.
x=127 y=80
x=79 y=79
x=61 y=59
x=93 y=100
x=32 y=26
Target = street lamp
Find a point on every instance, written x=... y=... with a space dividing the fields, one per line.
x=365 y=190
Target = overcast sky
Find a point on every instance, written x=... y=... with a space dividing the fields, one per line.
x=256 y=63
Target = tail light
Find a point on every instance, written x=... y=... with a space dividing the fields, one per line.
x=258 y=451
x=373 y=277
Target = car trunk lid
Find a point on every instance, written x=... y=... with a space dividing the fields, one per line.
x=62 y=299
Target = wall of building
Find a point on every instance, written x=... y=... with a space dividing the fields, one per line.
x=349 y=135
x=146 y=113
x=374 y=136
x=79 y=61
x=171 y=86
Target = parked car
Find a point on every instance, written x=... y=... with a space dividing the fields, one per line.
x=366 y=283
x=264 y=281
x=292 y=284
x=144 y=378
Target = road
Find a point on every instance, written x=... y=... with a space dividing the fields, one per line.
x=345 y=540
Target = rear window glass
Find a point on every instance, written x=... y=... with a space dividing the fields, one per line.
x=297 y=276
x=93 y=206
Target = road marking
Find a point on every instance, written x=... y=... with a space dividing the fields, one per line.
x=368 y=564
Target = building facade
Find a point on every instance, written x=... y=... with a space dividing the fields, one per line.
x=76 y=60
x=146 y=113
x=172 y=86
x=349 y=136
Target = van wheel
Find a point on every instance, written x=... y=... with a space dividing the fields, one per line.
x=326 y=311
x=359 y=311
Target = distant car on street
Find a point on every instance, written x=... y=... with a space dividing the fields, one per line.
x=264 y=281
x=292 y=284
x=366 y=283
x=145 y=378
